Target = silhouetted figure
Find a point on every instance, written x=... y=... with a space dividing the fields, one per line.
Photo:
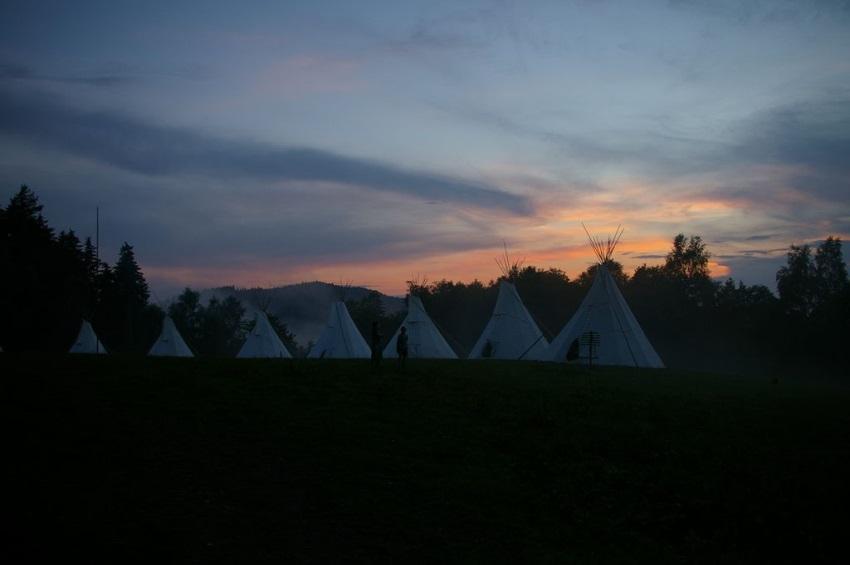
x=573 y=351
x=401 y=348
x=376 y=348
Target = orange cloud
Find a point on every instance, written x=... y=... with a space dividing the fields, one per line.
x=554 y=237
x=390 y=276
x=718 y=270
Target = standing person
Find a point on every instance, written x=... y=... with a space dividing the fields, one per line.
x=573 y=351
x=376 y=348
x=401 y=348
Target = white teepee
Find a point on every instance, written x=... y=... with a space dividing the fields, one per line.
x=340 y=339
x=605 y=312
x=263 y=341
x=424 y=340
x=511 y=332
x=170 y=343
x=87 y=341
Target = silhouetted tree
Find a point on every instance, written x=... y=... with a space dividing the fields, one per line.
x=212 y=330
x=460 y=310
x=221 y=332
x=830 y=269
x=731 y=296
x=585 y=279
x=51 y=281
x=797 y=281
x=32 y=286
x=92 y=267
x=132 y=322
x=687 y=264
x=76 y=288
x=186 y=314
x=830 y=320
x=129 y=278
x=549 y=296
x=688 y=259
x=286 y=336
x=370 y=309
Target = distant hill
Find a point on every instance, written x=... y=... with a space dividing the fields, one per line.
x=303 y=307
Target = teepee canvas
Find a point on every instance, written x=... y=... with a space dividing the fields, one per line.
x=170 y=343
x=424 y=340
x=604 y=312
x=340 y=339
x=511 y=332
x=87 y=341
x=263 y=341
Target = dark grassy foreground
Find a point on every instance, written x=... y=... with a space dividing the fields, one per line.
x=453 y=462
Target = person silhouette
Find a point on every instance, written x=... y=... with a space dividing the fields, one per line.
x=573 y=351
x=401 y=348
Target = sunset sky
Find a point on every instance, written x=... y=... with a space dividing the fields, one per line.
x=264 y=143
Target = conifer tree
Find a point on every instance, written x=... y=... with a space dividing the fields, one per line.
x=31 y=288
x=129 y=278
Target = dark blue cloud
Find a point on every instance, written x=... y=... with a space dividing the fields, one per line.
x=13 y=71
x=813 y=135
x=132 y=145
x=17 y=72
x=749 y=12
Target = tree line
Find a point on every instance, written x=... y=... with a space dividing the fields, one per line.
x=692 y=320
x=51 y=281
x=218 y=328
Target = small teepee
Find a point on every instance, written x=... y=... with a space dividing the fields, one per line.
x=511 y=332
x=263 y=341
x=605 y=312
x=170 y=343
x=340 y=339
x=87 y=341
x=424 y=340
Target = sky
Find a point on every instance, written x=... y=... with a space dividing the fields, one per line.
x=267 y=143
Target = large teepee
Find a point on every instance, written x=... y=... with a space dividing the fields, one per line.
x=424 y=340
x=511 y=332
x=87 y=341
x=340 y=339
x=170 y=343
x=263 y=341
x=605 y=312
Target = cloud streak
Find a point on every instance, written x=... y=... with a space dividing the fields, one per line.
x=804 y=144
x=15 y=72
x=130 y=144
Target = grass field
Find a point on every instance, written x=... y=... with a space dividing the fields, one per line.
x=321 y=462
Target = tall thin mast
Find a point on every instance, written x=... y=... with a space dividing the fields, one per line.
x=96 y=263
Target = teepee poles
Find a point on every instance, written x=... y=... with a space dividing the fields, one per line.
x=507 y=265
x=604 y=249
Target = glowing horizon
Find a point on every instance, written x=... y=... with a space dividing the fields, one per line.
x=280 y=143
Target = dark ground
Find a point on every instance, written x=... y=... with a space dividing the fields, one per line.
x=125 y=458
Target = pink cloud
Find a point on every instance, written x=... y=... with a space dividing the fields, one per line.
x=311 y=73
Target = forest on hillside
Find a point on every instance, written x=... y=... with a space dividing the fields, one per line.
x=52 y=281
